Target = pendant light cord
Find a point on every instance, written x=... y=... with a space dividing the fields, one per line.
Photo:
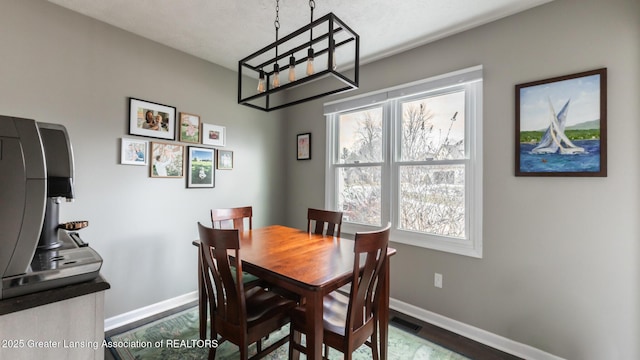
x=312 y=5
x=276 y=24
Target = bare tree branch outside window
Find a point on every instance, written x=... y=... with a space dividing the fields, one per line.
x=432 y=194
x=431 y=171
x=360 y=186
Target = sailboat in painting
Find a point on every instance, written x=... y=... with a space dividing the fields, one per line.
x=554 y=139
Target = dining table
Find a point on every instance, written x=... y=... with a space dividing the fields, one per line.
x=306 y=264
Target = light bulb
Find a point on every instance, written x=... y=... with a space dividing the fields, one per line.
x=261 y=84
x=310 y=62
x=276 y=76
x=292 y=69
x=334 y=65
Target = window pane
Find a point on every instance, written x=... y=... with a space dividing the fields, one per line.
x=433 y=128
x=360 y=138
x=359 y=190
x=432 y=199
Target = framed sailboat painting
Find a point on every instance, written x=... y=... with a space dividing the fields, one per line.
x=561 y=126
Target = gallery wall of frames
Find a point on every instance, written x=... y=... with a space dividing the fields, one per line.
x=185 y=146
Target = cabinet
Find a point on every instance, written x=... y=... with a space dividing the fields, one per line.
x=64 y=323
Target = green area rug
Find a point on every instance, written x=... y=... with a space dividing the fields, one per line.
x=176 y=337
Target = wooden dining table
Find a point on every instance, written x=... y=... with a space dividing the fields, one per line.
x=309 y=265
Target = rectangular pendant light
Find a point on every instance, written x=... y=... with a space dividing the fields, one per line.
x=334 y=49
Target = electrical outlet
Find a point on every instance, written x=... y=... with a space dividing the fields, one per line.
x=437 y=280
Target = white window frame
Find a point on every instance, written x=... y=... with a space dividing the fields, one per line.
x=468 y=79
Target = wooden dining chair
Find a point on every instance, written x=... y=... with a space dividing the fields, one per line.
x=232 y=218
x=324 y=222
x=350 y=321
x=240 y=218
x=235 y=218
x=240 y=316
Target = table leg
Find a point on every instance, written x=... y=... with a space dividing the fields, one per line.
x=384 y=311
x=314 y=325
x=202 y=300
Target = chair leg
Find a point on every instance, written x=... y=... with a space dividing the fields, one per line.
x=212 y=350
x=295 y=337
x=375 y=351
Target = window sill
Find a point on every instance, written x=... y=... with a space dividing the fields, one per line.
x=439 y=243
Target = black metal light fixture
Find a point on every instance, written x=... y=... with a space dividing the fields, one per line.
x=317 y=44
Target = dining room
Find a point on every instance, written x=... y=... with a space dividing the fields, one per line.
x=555 y=274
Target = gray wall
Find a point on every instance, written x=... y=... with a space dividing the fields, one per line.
x=563 y=279
x=560 y=268
x=62 y=67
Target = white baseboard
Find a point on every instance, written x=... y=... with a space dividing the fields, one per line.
x=147 y=311
x=495 y=341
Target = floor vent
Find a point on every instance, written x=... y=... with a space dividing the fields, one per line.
x=408 y=325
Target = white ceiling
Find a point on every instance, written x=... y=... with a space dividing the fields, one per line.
x=223 y=32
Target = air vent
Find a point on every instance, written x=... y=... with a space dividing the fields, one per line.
x=408 y=325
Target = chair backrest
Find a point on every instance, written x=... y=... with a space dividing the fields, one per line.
x=370 y=253
x=233 y=218
x=331 y=220
x=226 y=295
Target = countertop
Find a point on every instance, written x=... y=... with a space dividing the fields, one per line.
x=40 y=298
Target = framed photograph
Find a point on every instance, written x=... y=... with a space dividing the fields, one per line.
x=151 y=119
x=189 y=128
x=213 y=135
x=225 y=159
x=133 y=152
x=561 y=126
x=167 y=160
x=304 y=146
x=201 y=167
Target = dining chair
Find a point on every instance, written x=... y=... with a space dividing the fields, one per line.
x=240 y=316
x=229 y=218
x=324 y=222
x=240 y=218
x=350 y=321
x=232 y=218
x=235 y=218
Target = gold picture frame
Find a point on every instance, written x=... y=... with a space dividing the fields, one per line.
x=225 y=159
x=167 y=160
x=189 y=128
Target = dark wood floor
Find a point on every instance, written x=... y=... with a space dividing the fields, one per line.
x=448 y=339
x=442 y=337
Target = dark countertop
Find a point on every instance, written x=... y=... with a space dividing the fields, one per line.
x=40 y=298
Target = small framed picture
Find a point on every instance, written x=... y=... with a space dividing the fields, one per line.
x=167 y=160
x=151 y=119
x=561 y=126
x=201 y=167
x=213 y=135
x=225 y=159
x=304 y=146
x=189 y=128
x=133 y=152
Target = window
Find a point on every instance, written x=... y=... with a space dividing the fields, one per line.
x=359 y=174
x=412 y=156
